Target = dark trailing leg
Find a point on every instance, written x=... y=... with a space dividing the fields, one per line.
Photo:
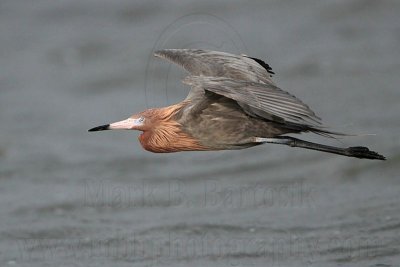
x=355 y=151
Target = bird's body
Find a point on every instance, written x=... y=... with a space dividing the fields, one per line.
x=233 y=104
x=214 y=124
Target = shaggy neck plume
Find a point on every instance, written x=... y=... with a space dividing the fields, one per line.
x=165 y=133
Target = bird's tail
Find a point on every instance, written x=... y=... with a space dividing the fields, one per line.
x=320 y=130
x=355 y=151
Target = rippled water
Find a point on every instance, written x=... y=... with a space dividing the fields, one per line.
x=70 y=198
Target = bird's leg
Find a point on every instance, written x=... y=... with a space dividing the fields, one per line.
x=357 y=151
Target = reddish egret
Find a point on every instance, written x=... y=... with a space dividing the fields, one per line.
x=233 y=104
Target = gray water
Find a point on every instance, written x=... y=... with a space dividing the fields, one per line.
x=73 y=198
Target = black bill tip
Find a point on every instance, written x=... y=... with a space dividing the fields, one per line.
x=100 y=128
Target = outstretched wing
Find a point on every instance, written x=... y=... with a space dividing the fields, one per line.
x=219 y=64
x=260 y=99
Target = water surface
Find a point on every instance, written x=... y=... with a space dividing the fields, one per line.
x=70 y=198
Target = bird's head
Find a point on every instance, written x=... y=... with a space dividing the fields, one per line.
x=140 y=121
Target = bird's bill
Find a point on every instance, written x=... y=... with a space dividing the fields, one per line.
x=100 y=128
x=127 y=124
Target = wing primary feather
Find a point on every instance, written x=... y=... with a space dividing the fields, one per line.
x=263 y=64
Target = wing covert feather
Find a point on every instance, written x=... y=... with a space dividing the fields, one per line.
x=260 y=96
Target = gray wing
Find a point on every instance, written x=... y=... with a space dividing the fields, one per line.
x=219 y=64
x=261 y=99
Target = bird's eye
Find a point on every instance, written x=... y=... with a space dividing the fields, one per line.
x=141 y=119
